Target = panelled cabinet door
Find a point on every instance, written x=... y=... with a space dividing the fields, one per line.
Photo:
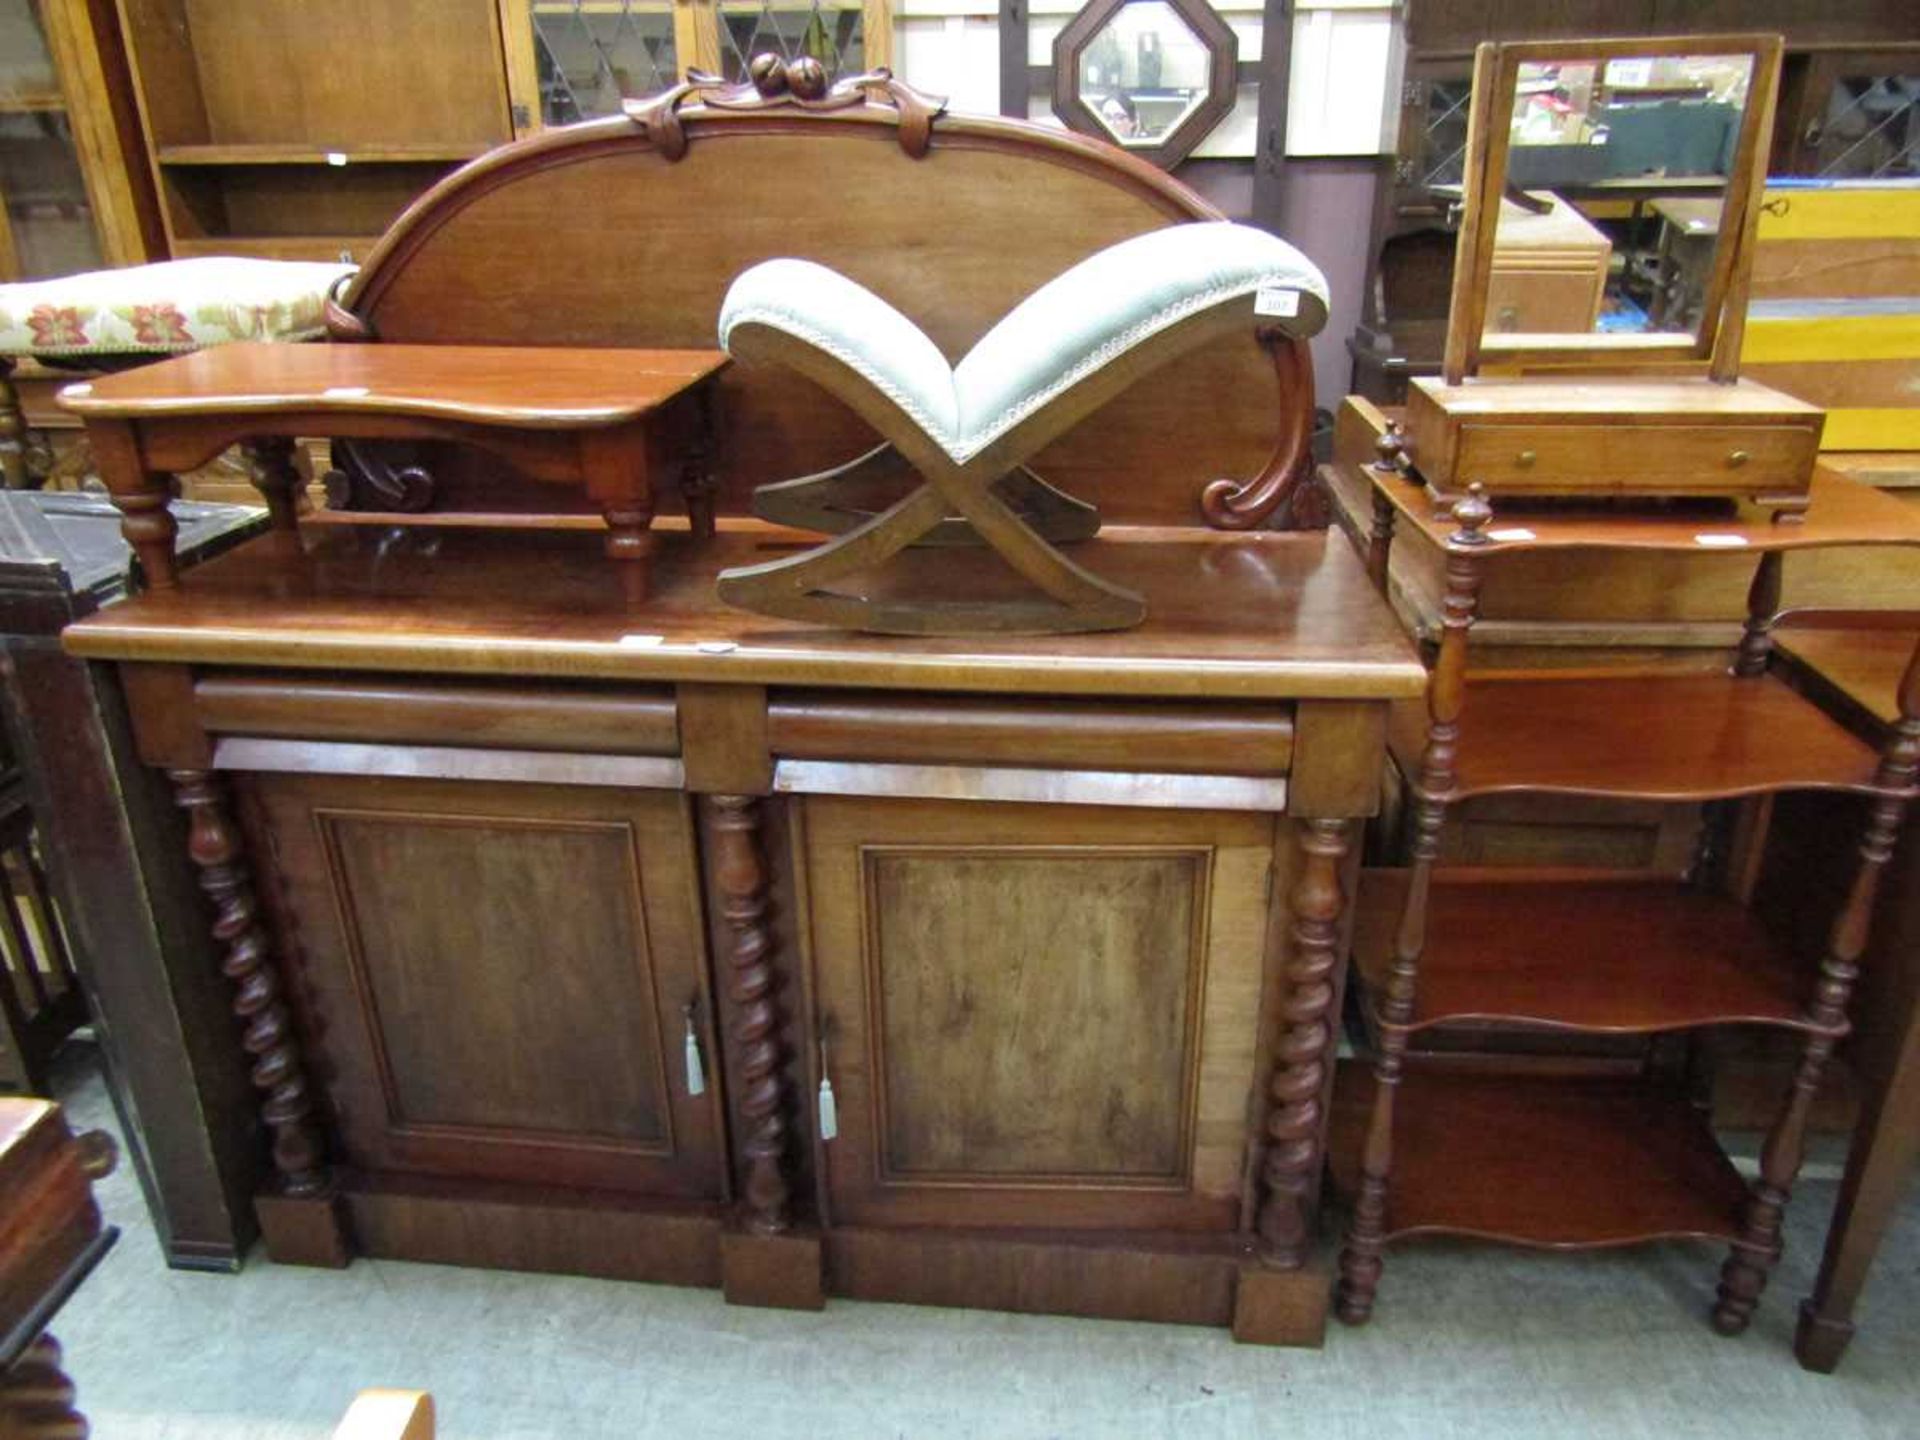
x=1037 y=1015
x=498 y=979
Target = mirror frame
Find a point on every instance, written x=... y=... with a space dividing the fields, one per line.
x=1223 y=70
x=1715 y=349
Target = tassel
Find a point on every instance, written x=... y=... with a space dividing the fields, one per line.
x=829 y=1113
x=696 y=1072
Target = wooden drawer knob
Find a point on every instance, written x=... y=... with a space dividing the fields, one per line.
x=1525 y=459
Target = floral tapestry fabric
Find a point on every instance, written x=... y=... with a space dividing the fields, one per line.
x=166 y=308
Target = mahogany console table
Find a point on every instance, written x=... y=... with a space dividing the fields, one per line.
x=605 y=419
x=551 y=920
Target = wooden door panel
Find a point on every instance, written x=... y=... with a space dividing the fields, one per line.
x=496 y=977
x=1037 y=1015
x=978 y=956
x=431 y=904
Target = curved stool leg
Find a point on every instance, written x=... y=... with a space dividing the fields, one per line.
x=835 y=501
x=795 y=588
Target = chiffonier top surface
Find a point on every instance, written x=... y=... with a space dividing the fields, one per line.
x=1228 y=616
x=532 y=388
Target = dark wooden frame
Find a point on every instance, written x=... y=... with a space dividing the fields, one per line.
x=1223 y=65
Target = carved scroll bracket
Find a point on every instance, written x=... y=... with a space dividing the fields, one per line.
x=776 y=84
x=1287 y=475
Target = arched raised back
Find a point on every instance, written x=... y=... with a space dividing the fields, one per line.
x=627 y=232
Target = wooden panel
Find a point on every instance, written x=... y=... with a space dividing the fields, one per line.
x=1213 y=739
x=1191 y=1285
x=1626 y=458
x=632 y=721
x=970 y=949
x=488 y=909
x=1037 y=1015
x=473 y=1028
x=349 y=72
x=550 y=1231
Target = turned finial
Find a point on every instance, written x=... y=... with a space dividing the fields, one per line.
x=807 y=78
x=768 y=73
x=1390 y=445
x=1473 y=514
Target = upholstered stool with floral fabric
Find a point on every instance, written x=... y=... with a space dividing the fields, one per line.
x=110 y=319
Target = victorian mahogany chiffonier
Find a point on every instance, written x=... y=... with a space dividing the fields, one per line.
x=577 y=929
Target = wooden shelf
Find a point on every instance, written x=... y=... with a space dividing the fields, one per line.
x=50 y=102
x=428 y=154
x=1560 y=1164
x=1648 y=737
x=1613 y=955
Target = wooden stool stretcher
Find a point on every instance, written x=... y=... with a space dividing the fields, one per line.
x=966 y=430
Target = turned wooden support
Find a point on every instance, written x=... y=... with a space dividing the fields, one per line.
x=37 y=1398
x=13 y=430
x=1296 y=1120
x=1744 y=1275
x=740 y=871
x=1763 y=604
x=1380 y=543
x=215 y=845
x=1360 y=1260
x=618 y=469
x=277 y=479
x=141 y=496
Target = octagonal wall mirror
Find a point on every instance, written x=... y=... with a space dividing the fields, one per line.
x=1612 y=191
x=1152 y=76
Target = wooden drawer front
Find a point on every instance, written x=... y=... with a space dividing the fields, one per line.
x=1037 y=1016
x=626 y=721
x=496 y=977
x=1538 y=300
x=1634 y=459
x=966 y=730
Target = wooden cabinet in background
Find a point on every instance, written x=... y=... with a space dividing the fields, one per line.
x=301 y=130
x=74 y=193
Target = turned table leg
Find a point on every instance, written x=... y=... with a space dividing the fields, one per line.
x=277 y=479
x=140 y=495
x=300 y=1218
x=619 y=467
x=1744 y=1276
x=37 y=1398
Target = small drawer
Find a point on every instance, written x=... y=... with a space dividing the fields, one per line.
x=969 y=730
x=1638 y=459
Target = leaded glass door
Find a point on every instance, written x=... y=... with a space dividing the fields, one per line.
x=574 y=60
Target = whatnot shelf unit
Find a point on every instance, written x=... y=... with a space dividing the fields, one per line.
x=1553 y=1158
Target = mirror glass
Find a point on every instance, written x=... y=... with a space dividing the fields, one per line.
x=1144 y=72
x=1615 y=177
